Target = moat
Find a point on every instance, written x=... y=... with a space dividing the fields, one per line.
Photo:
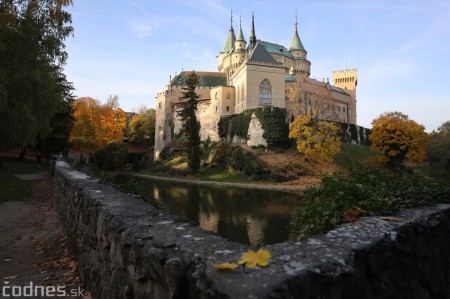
x=255 y=217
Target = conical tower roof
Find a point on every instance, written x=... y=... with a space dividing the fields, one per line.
x=229 y=43
x=296 y=43
x=240 y=36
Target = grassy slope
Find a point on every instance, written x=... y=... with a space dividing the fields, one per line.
x=283 y=162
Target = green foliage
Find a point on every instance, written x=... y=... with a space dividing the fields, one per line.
x=139 y=161
x=33 y=86
x=248 y=163
x=223 y=126
x=142 y=127
x=273 y=122
x=113 y=156
x=241 y=122
x=438 y=151
x=364 y=188
x=276 y=128
x=191 y=126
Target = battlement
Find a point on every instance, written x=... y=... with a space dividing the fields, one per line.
x=345 y=72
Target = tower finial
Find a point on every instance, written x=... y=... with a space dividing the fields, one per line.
x=296 y=23
x=252 y=33
x=231 y=18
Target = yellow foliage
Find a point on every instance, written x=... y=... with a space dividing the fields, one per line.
x=96 y=124
x=252 y=259
x=316 y=139
x=226 y=266
x=399 y=138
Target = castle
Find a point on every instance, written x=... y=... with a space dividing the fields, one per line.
x=251 y=75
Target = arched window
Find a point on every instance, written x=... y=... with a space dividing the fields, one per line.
x=265 y=93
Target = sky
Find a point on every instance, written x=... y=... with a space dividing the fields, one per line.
x=401 y=48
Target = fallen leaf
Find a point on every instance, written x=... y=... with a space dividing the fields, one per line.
x=226 y=266
x=252 y=259
x=389 y=218
x=352 y=214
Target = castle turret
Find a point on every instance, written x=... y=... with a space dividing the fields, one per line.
x=228 y=48
x=239 y=44
x=301 y=64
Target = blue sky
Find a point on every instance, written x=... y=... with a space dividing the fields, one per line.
x=401 y=48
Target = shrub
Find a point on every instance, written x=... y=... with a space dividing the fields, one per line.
x=113 y=156
x=364 y=189
x=248 y=163
x=276 y=128
x=139 y=161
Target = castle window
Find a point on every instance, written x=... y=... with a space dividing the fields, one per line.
x=343 y=109
x=216 y=96
x=217 y=109
x=349 y=110
x=228 y=108
x=228 y=95
x=159 y=105
x=265 y=93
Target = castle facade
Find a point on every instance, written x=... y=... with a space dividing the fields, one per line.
x=255 y=74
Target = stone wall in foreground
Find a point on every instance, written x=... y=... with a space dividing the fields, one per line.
x=127 y=249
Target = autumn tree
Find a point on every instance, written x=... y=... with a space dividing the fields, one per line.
x=33 y=87
x=399 y=138
x=142 y=127
x=191 y=126
x=96 y=124
x=316 y=139
x=438 y=150
x=307 y=96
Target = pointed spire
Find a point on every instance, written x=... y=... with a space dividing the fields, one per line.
x=296 y=43
x=240 y=36
x=252 y=33
x=229 y=43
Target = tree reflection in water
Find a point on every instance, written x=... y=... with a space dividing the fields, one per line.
x=255 y=217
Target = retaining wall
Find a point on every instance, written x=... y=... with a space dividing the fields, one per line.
x=127 y=249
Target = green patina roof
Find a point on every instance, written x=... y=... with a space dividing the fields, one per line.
x=296 y=43
x=229 y=43
x=276 y=49
x=206 y=79
x=240 y=35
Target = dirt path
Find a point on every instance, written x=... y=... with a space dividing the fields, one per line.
x=34 y=249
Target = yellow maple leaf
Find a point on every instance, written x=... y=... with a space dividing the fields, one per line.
x=226 y=266
x=252 y=259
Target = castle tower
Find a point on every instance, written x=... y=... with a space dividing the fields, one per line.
x=301 y=64
x=348 y=80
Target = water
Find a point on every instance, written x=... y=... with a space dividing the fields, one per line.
x=255 y=217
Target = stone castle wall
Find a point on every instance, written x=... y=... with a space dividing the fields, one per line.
x=127 y=249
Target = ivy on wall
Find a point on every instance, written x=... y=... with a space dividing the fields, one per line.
x=273 y=122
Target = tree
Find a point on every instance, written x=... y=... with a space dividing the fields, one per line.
x=191 y=126
x=33 y=87
x=400 y=139
x=142 y=127
x=438 y=150
x=96 y=124
x=308 y=96
x=316 y=139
